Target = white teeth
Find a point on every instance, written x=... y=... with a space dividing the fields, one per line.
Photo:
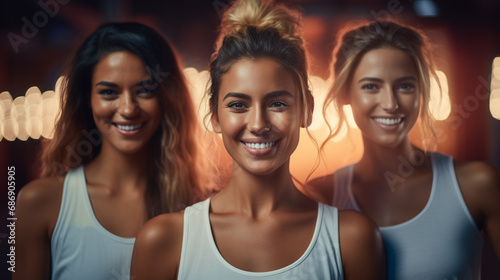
x=388 y=121
x=259 y=146
x=128 y=127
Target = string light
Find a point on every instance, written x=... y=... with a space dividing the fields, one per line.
x=34 y=114
x=495 y=89
x=439 y=103
x=30 y=116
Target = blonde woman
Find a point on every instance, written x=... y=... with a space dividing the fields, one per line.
x=431 y=218
x=259 y=226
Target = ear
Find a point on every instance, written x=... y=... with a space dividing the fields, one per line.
x=214 y=119
x=310 y=109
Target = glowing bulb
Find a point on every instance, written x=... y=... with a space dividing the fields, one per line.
x=495 y=89
x=439 y=103
x=10 y=129
x=495 y=104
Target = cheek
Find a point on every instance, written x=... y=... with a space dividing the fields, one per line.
x=153 y=109
x=101 y=108
x=231 y=123
x=412 y=102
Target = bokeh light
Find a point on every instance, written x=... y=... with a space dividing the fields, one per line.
x=495 y=89
x=439 y=103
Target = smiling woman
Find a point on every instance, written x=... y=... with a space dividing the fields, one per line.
x=125 y=108
x=259 y=108
x=259 y=226
x=430 y=208
x=124 y=150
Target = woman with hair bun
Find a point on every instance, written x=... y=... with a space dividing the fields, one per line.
x=124 y=150
x=259 y=226
x=431 y=209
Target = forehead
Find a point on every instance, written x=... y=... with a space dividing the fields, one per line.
x=257 y=76
x=121 y=64
x=385 y=63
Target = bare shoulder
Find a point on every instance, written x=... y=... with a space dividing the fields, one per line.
x=477 y=173
x=479 y=182
x=42 y=189
x=355 y=225
x=41 y=197
x=480 y=185
x=162 y=230
x=362 y=249
x=321 y=189
x=158 y=248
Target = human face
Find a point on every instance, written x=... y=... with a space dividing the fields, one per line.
x=125 y=108
x=385 y=96
x=258 y=115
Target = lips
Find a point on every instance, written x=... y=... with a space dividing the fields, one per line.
x=259 y=146
x=388 y=121
x=128 y=127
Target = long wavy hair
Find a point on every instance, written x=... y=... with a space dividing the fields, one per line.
x=175 y=178
x=355 y=41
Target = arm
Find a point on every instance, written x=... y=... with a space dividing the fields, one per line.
x=361 y=247
x=37 y=210
x=480 y=186
x=157 y=248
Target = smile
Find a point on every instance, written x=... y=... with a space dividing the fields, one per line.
x=388 y=121
x=128 y=127
x=259 y=146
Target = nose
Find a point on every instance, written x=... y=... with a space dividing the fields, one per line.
x=258 y=121
x=127 y=105
x=388 y=101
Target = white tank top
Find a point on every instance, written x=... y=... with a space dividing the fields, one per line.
x=80 y=247
x=200 y=258
x=441 y=242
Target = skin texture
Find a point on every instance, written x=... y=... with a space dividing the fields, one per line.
x=384 y=84
x=116 y=180
x=260 y=212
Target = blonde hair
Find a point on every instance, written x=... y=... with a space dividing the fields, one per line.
x=355 y=41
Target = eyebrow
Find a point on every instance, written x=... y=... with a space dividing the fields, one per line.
x=370 y=79
x=110 y=84
x=271 y=94
x=106 y=84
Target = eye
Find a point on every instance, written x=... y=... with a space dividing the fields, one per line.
x=237 y=105
x=406 y=87
x=370 y=87
x=107 y=92
x=145 y=92
x=278 y=104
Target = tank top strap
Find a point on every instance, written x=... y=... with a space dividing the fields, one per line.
x=343 y=195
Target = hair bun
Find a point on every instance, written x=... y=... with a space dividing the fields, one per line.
x=260 y=14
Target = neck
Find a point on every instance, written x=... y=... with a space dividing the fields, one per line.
x=380 y=162
x=259 y=195
x=120 y=171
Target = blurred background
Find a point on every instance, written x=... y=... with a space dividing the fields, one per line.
x=38 y=38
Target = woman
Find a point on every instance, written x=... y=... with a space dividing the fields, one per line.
x=259 y=226
x=124 y=150
x=430 y=208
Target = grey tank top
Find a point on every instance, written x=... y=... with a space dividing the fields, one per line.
x=200 y=258
x=441 y=242
x=81 y=248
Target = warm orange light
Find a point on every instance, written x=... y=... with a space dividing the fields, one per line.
x=495 y=89
x=439 y=103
